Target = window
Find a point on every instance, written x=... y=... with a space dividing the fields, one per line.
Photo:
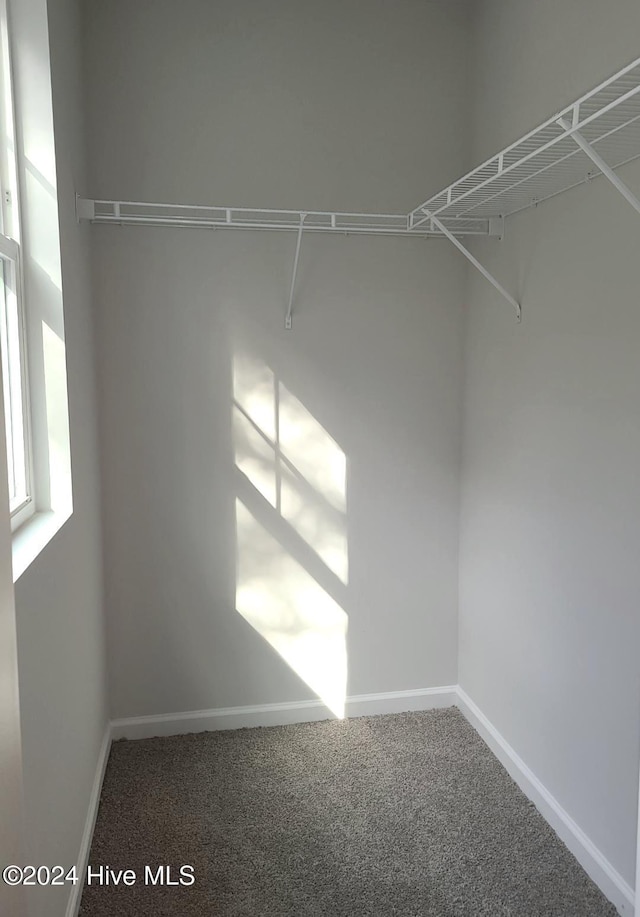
x=32 y=338
x=14 y=382
x=12 y=326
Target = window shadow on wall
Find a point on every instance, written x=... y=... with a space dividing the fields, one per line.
x=291 y=522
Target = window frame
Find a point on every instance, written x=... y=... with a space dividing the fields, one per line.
x=17 y=400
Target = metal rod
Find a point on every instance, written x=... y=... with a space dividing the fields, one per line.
x=210 y=217
x=485 y=273
x=287 y=321
x=269 y=210
x=606 y=169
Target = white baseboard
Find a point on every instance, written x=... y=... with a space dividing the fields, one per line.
x=73 y=905
x=594 y=863
x=144 y=727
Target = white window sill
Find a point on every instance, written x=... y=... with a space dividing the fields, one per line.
x=30 y=539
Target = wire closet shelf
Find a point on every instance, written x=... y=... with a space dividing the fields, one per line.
x=545 y=162
x=143 y=213
x=593 y=136
x=548 y=160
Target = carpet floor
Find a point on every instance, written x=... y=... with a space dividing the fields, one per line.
x=408 y=815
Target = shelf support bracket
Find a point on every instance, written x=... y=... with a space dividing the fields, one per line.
x=485 y=273
x=287 y=321
x=85 y=210
x=606 y=169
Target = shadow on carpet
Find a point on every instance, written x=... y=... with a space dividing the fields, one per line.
x=409 y=815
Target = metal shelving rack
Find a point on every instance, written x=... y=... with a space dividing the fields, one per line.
x=139 y=213
x=594 y=136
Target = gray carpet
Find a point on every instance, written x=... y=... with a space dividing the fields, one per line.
x=408 y=815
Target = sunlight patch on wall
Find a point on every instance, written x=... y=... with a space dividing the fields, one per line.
x=292 y=461
x=55 y=378
x=44 y=239
x=255 y=456
x=253 y=391
x=308 y=446
x=284 y=604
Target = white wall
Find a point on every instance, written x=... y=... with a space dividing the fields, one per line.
x=12 y=900
x=549 y=583
x=61 y=646
x=352 y=105
x=287 y=104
